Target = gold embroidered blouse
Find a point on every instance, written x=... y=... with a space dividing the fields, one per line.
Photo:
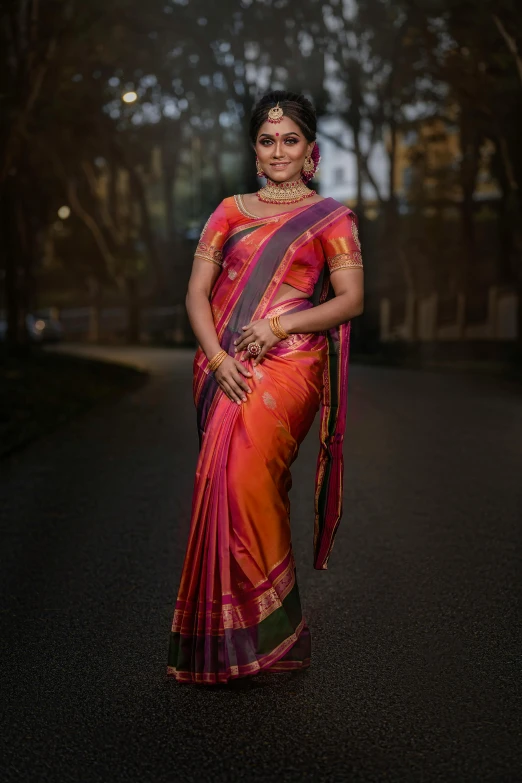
x=338 y=244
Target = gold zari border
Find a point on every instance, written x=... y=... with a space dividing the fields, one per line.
x=344 y=261
x=263 y=662
x=251 y=613
x=209 y=253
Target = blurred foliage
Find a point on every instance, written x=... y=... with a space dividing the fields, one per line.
x=67 y=136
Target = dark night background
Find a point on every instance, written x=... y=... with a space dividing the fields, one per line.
x=123 y=123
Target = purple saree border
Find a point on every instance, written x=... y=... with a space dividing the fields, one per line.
x=267 y=264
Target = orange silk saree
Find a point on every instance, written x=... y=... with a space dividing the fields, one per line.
x=238 y=610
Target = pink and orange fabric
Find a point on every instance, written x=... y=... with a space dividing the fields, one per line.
x=238 y=610
x=338 y=245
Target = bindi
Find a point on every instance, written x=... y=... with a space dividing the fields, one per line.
x=277 y=134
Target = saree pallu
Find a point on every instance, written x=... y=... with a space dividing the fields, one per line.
x=238 y=609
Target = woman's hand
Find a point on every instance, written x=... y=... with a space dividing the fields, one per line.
x=257 y=332
x=230 y=375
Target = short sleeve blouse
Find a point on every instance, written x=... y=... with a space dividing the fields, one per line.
x=213 y=236
x=341 y=245
x=339 y=242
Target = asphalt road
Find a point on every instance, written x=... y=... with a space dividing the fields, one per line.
x=416 y=636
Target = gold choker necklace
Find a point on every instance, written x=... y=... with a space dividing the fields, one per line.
x=284 y=192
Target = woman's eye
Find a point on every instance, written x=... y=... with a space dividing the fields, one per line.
x=291 y=141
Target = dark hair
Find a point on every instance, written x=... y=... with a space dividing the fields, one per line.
x=295 y=106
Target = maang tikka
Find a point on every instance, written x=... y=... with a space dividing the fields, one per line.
x=275 y=114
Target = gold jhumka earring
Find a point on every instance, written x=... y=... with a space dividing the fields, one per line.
x=259 y=170
x=308 y=165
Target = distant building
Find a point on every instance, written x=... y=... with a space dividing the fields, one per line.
x=428 y=165
x=427 y=162
x=338 y=172
x=418 y=291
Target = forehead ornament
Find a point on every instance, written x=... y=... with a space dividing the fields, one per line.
x=275 y=114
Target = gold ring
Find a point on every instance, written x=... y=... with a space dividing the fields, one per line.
x=254 y=349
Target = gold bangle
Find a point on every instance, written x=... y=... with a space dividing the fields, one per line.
x=284 y=333
x=277 y=328
x=217 y=360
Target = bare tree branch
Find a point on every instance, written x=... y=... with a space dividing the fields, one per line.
x=91 y=224
x=341 y=144
x=103 y=203
x=510 y=43
x=348 y=148
x=19 y=124
x=30 y=74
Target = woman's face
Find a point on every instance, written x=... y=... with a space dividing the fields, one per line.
x=282 y=148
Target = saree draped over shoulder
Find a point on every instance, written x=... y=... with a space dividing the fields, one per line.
x=238 y=609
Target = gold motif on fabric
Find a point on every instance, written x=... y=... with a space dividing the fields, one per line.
x=355 y=234
x=291 y=565
x=232 y=274
x=251 y=611
x=209 y=253
x=258 y=375
x=269 y=401
x=344 y=261
x=257 y=609
x=281 y=307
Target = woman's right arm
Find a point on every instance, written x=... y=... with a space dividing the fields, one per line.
x=230 y=374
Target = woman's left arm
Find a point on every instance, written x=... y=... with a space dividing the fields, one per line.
x=342 y=250
x=348 y=286
x=347 y=303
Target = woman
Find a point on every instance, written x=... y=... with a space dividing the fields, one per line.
x=267 y=360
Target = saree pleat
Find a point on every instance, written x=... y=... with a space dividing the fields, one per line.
x=238 y=610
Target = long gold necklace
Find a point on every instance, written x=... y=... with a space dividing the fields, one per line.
x=284 y=192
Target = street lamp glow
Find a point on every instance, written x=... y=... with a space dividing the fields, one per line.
x=64 y=212
x=129 y=97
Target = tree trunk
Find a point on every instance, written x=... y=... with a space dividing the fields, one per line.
x=168 y=195
x=250 y=181
x=27 y=243
x=94 y=328
x=171 y=144
x=133 y=321
x=392 y=157
x=470 y=244
x=353 y=117
x=146 y=228
x=16 y=337
x=470 y=148
x=505 y=272
x=390 y=225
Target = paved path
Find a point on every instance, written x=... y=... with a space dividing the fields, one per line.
x=416 y=671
